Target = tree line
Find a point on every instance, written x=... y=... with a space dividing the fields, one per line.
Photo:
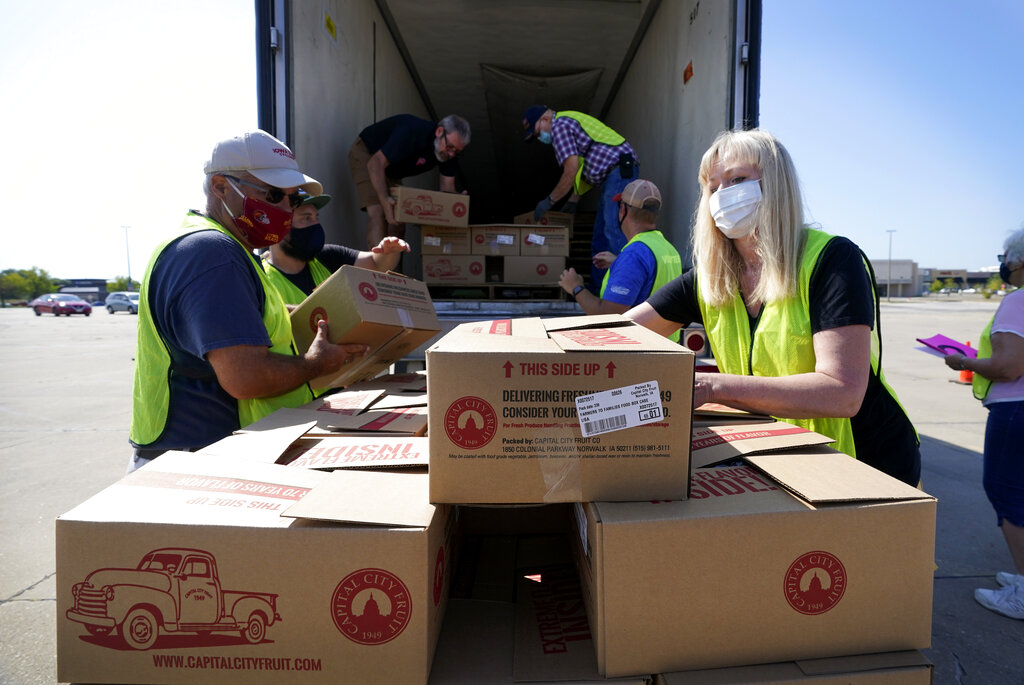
x=22 y=285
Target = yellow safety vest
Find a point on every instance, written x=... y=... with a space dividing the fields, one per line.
x=981 y=385
x=670 y=264
x=782 y=343
x=289 y=292
x=599 y=132
x=151 y=390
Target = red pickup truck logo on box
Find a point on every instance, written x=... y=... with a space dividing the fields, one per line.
x=171 y=591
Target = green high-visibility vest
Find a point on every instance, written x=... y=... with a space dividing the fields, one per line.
x=782 y=343
x=151 y=390
x=670 y=264
x=289 y=292
x=599 y=132
x=979 y=384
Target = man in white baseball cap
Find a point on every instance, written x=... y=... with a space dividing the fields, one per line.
x=215 y=349
x=647 y=261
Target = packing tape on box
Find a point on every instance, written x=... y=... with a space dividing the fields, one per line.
x=405 y=317
x=562 y=477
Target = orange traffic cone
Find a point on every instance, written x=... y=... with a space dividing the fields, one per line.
x=967 y=376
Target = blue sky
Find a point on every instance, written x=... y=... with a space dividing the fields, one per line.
x=901 y=115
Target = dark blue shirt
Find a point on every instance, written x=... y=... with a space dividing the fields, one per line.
x=408 y=144
x=204 y=294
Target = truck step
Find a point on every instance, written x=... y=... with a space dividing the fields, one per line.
x=497 y=291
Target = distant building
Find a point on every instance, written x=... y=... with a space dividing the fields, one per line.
x=900 y=278
x=89 y=289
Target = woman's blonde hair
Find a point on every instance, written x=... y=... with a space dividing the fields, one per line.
x=780 y=233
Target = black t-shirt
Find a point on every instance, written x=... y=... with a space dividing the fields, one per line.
x=840 y=294
x=331 y=256
x=408 y=144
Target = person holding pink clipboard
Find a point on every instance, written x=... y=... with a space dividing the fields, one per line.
x=999 y=384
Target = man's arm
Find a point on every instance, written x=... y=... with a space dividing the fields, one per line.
x=589 y=302
x=252 y=371
x=385 y=256
x=376 y=167
x=565 y=183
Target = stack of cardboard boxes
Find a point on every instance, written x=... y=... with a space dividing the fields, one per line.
x=455 y=252
x=576 y=525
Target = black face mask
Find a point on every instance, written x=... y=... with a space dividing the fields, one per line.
x=304 y=243
x=1004 y=272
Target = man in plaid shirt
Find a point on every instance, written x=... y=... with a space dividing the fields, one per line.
x=591 y=155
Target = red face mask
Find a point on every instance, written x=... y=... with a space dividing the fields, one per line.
x=261 y=223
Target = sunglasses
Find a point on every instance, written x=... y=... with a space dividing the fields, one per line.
x=273 y=195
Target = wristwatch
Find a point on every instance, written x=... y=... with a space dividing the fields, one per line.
x=576 y=291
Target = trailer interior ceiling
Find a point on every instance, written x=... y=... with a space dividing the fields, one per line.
x=488 y=60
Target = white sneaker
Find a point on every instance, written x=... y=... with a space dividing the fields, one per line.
x=1008 y=601
x=1004 y=578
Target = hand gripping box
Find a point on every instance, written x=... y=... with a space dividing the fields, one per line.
x=504 y=425
x=430 y=207
x=389 y=312
x=204 y=569
x=798 y=555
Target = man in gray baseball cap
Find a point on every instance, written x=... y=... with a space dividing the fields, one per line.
x=647 y=261
x=215 y=349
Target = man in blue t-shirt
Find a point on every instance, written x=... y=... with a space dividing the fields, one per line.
x=647 y=261
x=394 y=148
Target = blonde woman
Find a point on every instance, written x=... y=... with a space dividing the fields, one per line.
x=790 y=311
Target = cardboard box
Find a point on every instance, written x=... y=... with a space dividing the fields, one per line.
x=889 y=668
x=545 y=270
x=549 y=219
x=494 y=239
x=722 y=443
x=503 y=423
x=430 y=207
x=811 y=554
x=454 y=269
x=391 y=313
x=251 y=573
x=544 y=241
x=445 y=240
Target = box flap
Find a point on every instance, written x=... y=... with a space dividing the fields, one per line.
x=562 y=323
x=863 y=663
x=264 y=444
x=408 y=399
x=368 y=497
x=347 y=401
x=723 y=443
x=395 y=382
x=411 y=420
x=614 y=338
x=357 y=452
x=821 y=475
x=286 y=416
x=709 y=413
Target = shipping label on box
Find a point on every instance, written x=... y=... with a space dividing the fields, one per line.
x=445 y=240
x=188 y=570
x=495 y=239
x=832 y=556
x=454 y=269
x=548 y=219
x=503 y=423
x=544 y=241
x=430 y=207
x=546 y=270
x=390 y=313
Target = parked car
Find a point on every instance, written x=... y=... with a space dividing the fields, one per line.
x=123 y=301
x=60 y=303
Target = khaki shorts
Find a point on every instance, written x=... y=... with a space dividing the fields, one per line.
x=358 y=158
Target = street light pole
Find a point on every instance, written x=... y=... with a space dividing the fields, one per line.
x=888 y=282
x=128 y=254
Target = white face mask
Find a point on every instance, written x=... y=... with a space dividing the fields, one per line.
x=734 y=209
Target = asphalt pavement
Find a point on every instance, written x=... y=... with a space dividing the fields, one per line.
x=65 y=400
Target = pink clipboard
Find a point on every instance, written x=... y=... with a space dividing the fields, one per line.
x=943 y=345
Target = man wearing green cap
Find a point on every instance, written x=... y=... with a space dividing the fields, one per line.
x=301 y=262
